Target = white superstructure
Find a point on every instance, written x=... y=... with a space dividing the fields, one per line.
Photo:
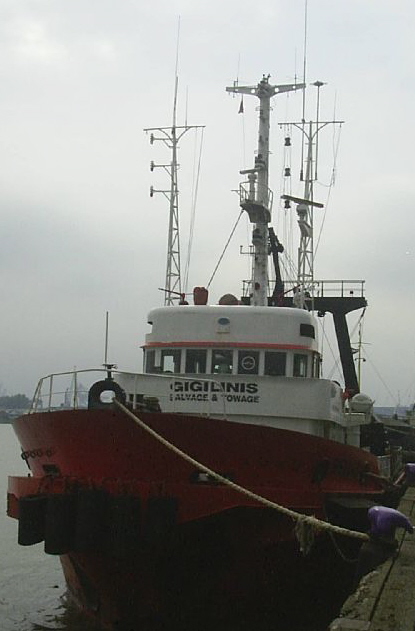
x=251 y=363
x=257 y=365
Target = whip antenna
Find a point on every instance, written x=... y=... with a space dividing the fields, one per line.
x=304 y=83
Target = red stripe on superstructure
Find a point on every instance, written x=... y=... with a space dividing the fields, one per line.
x=226 y=344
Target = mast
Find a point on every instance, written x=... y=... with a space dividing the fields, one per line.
x=255 y=196
x=305 y=270
x=340 y=301
x=171 y=136
x=305 y=210
x=173 y=282
x=305 y=205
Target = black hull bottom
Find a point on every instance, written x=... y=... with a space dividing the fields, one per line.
x=202 y=579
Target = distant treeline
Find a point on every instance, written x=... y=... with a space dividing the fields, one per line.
x=14 y=402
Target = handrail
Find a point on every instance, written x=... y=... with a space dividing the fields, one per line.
x=343 y=288
x=48 y=383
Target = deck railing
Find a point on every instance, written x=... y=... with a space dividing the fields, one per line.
x=69 y=390
x=248 y=192
x=64 y=390
x=318 y=288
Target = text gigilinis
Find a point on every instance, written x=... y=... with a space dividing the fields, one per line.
x=228 y=387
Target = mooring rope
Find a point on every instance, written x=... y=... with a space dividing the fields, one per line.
x=302 y=520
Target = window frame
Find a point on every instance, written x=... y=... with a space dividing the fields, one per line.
x=300 y=360
x=268 y=355
x=225 y=352
x=242 y=355
x=200 y=351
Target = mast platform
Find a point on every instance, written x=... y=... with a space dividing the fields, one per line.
x=333 y=296
x=258 y=213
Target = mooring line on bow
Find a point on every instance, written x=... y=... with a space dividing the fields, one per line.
x=305 y=520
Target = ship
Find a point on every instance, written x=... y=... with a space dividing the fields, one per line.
x=211 y=480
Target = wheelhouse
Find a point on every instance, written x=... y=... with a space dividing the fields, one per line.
x=214 y=340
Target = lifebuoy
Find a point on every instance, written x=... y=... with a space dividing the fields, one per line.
x=106 y=385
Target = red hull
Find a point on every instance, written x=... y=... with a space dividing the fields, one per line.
x=102 y=445
x=216 y=528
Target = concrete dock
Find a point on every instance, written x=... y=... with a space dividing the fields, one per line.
x=385 y=598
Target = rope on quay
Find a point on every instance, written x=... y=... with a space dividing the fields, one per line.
x=302 y=520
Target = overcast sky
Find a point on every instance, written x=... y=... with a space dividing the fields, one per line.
x=79 y=234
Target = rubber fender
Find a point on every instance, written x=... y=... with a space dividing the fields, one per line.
x=32 y=510
x=124 y=526
x=105 y=385
x=60 y=523
x=91 y=520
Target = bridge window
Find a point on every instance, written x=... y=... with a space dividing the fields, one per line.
x=195 y=361
x=307 y=330
x=150 y=361
x=248 y=362
x=316 y=365
x=222 y=361
x=300 y=365
x=275 y=363
x=170 y=360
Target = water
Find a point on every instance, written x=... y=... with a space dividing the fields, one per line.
x=32 y=589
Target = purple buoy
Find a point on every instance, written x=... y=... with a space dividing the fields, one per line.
x=384 y=521
x=382 y=544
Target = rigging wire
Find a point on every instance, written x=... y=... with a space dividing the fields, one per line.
x=195 y=190
x=289 y=267
x=408 y=393
x=224 y=250
x=336 y=365
x=330 y=186
x=334 y=355
x=335 y=149
x=392 y=396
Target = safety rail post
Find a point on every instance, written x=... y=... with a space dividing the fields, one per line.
x=135 y=392
x=75 y=390
x=50 y=392
x=36 y=396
